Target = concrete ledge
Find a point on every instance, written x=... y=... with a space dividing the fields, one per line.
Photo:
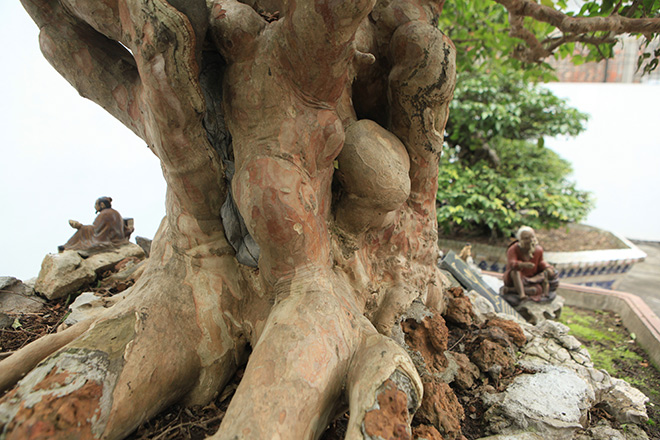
x=600 y=268
x=635 y=313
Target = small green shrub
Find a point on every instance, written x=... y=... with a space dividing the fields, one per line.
x=529 y=187
x=496 y=173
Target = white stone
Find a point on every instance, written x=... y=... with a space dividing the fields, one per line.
x=553 y=402
x=80 y=308
x=536 y=312
x=67 y=272
x=62 y=274
x=107 y=260
x=626 y=403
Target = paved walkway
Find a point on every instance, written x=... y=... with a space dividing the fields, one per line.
x=643 y=279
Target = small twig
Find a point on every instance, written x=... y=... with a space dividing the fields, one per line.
x=162 y=435
x=457 y=342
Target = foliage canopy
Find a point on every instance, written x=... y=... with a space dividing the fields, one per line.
x=497 y=174
x=523 y=33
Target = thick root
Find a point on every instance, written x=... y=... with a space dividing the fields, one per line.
x=13 y=368
x=146 y=353
x=295 y=374
x=384 y=390
x=63 y=397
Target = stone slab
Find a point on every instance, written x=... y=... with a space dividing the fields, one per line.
x=472 y=280
x=16 y=297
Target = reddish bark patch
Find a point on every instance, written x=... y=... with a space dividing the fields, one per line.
x=493 y=358
x=390 y=421
x=440 y=408
x=429 y=338
x=459 y=308
x=512 y=329
x=54 y=379
x=56 y=418
x=426 y=432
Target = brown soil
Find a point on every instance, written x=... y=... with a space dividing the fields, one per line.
x=571 y=238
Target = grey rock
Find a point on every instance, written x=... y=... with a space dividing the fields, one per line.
x=67 y=272
x=5 y=321
x=130 y=271
x=553 y=402
x=481 y=306
x=81 y=307
x=453 y=282
x=103 y=261
x=449 y=374
x=626 y=403
x=565 y=380
x=62 y=274
x=11 y=284
x=17 y=297
x=145 y=244
x=604 y=431
x=536 y=312
x=87 y=305
x=550 y=343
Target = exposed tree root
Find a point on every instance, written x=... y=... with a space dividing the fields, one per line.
x=22 y=361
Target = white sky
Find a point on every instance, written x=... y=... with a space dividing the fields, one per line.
x=618 y=156
x=59 y=152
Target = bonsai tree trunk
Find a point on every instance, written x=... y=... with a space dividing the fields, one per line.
x=300 y=144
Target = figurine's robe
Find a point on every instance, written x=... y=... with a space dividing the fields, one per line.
x=108 y=229
x=531 y=277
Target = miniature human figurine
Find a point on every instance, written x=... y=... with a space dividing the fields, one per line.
x=528 y=275
x=466 y=252
x=108 y=229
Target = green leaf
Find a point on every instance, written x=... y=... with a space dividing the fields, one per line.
x=16 y=324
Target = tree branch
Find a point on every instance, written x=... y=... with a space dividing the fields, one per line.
x=163 y=40
x=614 y=23
x=576 y=27
x=100 y=69
x=534 y=50
x=553 y=43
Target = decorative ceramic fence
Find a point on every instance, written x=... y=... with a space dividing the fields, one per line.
x=600 y=268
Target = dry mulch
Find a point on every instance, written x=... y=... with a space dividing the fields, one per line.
x=28 y=327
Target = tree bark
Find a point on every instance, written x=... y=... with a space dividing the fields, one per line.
x=342 y=209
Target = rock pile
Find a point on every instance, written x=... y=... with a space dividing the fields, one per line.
x=510 y=379
x=67 y=272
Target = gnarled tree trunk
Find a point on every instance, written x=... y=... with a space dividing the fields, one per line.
x=321 y=123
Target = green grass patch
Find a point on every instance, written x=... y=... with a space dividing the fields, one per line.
x=608 y=348
x=584 y=327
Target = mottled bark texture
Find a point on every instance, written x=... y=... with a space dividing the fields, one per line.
x=321 y=122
